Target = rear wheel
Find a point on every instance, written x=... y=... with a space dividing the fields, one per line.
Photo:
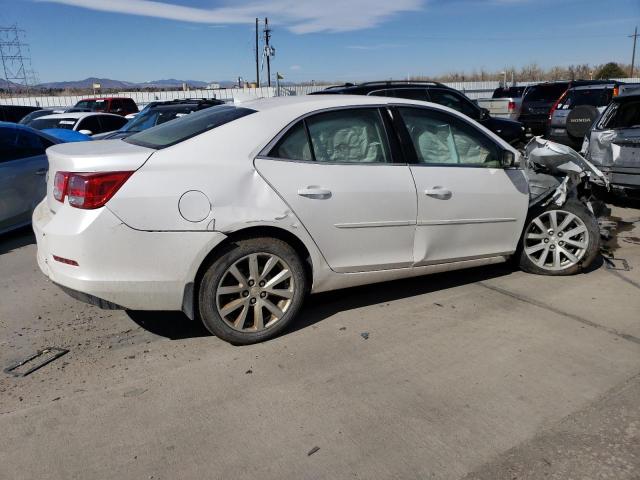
x=252 y=291
x=560 y=240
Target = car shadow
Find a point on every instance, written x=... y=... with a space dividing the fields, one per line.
x=16 y=239
x=171 y=325
x=323 y=305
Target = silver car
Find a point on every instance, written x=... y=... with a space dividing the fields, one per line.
x=23 y=167
x=613 y=144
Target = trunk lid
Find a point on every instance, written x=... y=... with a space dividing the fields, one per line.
x=94 y=156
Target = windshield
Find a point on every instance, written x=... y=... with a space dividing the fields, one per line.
x=596 y=97
x=180 y=129
x=42 y=123
x=152 y=117
x=92 y=105
x=545 y=93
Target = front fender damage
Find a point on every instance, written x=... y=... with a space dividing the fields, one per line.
x=557 y=173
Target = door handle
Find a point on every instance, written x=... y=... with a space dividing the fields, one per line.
x=41 y=171
x=314 y=192
x=439 y=193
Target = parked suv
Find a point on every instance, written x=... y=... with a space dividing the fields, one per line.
x=435 y=92
x=158 y=113
x=575 y=111
x=118 y=105
x=613 y=143
x=539 y=99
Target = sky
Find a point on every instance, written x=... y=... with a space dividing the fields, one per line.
x=331 y=40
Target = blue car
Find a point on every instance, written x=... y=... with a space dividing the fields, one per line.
x=23 y=169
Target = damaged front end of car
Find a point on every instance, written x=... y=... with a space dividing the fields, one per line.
x=558 y=173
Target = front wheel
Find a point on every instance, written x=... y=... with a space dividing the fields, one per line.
x=252 y=291
x=559 y=240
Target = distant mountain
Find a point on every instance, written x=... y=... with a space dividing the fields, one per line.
x=107 y=83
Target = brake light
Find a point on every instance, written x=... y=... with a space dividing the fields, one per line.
x=60 y=183
x=616 y=91
x=555 y=105
x=93 y=190
x=512 y=106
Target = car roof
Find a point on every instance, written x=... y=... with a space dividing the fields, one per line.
x=26 y=128
x=103 y=98
x=77 y=115
x=319 y=102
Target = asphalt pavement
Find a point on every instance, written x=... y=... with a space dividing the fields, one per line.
x=488 y=373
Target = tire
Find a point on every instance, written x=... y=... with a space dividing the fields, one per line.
x=252 y=290
x=563 y=255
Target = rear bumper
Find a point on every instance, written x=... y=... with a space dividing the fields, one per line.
x=559 y=135
x=534 y=125
x=118 y=267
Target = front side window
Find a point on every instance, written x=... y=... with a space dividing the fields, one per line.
x=349 y=136
x=16 y=144
x=183 y=128
x=442 y=139
x=454 y=101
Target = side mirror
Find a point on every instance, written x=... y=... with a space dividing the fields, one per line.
x=510 y=159
x=86 y=132
x=484 y=114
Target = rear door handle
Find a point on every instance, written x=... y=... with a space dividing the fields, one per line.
x=438 y=192
x=41 y=171
x=314 y=192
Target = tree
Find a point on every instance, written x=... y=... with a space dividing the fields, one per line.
x=611 y=70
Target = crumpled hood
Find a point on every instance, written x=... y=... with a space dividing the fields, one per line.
x=558 y=159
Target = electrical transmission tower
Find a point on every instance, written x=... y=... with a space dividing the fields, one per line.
x=16 y=61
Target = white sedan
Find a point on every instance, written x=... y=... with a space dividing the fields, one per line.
x=234 y=213
x=89 y=123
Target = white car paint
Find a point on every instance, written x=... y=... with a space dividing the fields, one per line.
x=141 y=251
x=75 y=119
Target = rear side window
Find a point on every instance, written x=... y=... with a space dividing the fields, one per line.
x=16 y=144
x=349 y=136
x=622 y=115
x=183 y=128
x=294 y=145
x=412 y=94
x=342 y=136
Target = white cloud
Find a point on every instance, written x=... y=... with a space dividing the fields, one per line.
x=299 y=16
x=376 y=46
x=295 y=67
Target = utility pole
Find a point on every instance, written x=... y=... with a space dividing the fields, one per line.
x=267 y=49
x=257 y=55
x=633 y=55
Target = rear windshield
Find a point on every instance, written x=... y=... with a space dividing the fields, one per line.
x=155 y=116
x=595 y=97
x=511 y=92
x=42 y=123
x=183 y=128
x=544 y=93
x=92 y=105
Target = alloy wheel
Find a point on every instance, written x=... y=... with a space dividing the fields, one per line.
x=556 y=240
x=255 y=292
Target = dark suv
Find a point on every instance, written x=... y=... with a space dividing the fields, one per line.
x=538 y=100
x=434 y=92
x=160 y=112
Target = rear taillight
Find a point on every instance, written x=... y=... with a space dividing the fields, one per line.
x=616 y=91
x=60 y=182
x=555 y=105
x=511 y=106
x=93 y=190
